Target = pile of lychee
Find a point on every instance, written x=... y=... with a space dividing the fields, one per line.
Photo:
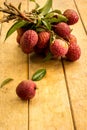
x=59 y=41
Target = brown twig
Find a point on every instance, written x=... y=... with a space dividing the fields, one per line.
x=14 y=13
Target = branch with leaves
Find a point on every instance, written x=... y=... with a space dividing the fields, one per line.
x=13 y=13
x=37 y=19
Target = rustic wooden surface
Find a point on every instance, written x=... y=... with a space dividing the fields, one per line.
x=61 y=99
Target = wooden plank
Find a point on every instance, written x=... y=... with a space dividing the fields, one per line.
x=13 y=64
x=82 y=8
x=76 y=73
x=50 y=108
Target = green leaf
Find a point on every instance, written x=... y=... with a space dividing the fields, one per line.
x=53 y=20
x=62 y=18
x=39 y=74
x=48 y=57
x=37 y=5
x=14 y=27
x=38 y=21
x=49 y=15
x=38 y=29
x=58 y=18
x=46 y=24
x=5 y=82
x=52 y=13
x=32 y=0
x=45 y=9
x=57 y=11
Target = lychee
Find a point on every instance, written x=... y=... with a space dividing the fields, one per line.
x=72 y=39
x=43 y=39
x=26 y=89
x=74 y=52
x=39 y=51
x=72 y=16
x=62 y=29
x=28 y=40
x=18 y=38
x=20 y=32
x=58 y=48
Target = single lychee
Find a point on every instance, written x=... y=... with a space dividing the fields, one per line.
x=72 y=16
x=18 y=38
x=43 y=39
x=41 y=51
x=28 y=40
x=62 y=29
x=26 y=89
x=72 y=39
x=74 y=52
x=58 y=48
x=20 y=32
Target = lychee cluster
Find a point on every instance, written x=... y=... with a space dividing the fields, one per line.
x=59 y=41
x=43 y=32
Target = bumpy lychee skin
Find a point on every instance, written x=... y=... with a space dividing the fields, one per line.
x=43 y=39
x=72 y=16
x=62 y=29
x=74 y=52
x=28 y=40
x=72 y=39
x=26 y=89
x=58 y=48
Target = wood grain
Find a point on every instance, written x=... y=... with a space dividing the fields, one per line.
x=13 y=64
x=50 y=108
x=76 y=75
x=82 y=9
x=60 y=102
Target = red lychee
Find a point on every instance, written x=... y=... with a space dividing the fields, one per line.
x=62 y=29
x=43 y=39
x=28 y=40
x=72 y=39
x=71 y=15
x=59 y=48
x=18 y=38
x=26 y=89
x=20 y=32
x=39 y=51
x=74 y=52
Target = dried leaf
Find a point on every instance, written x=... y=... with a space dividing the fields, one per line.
x=19 y=6
x=39 y=74
x=5 y=82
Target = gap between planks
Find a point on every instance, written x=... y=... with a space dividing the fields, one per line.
x=80 y=16
x=68 y=93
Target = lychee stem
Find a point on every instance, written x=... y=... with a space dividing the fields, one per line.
x=14 y=13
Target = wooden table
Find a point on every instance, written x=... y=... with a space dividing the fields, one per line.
x=61 y=98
